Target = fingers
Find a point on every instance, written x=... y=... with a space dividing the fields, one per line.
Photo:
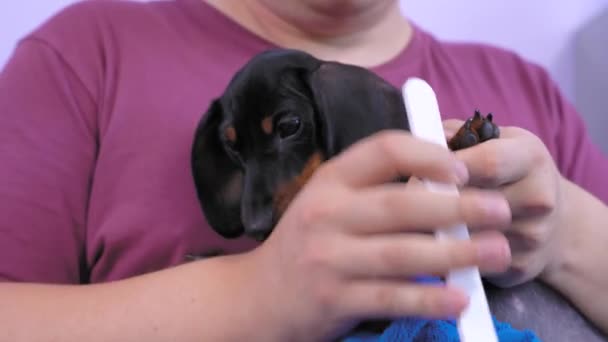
x=533 y=196
x=518 y=164
x=499 y=161
x=409 y=255
x=525 y=265
x=393 y=208
x=376 y=298
x=390 y=154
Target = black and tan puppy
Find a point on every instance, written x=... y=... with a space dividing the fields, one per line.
x=281 y=116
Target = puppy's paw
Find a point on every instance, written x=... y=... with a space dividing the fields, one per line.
x=475 y=130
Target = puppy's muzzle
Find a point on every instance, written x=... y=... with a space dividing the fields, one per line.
x=257 y=223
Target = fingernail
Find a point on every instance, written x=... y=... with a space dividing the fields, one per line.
x=453 y=302
x=494 y=206
x=493 y=253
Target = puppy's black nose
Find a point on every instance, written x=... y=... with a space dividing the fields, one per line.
x=259 y=228
x=260 y=235
x=258 y=232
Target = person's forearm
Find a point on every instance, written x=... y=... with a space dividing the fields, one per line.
x=210 y=300
x=581 y=270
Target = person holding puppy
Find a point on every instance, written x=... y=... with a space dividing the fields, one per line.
x=98 y=109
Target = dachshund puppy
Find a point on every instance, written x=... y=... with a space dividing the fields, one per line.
x=281 y=116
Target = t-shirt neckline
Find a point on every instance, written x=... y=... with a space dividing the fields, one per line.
x=404 y=62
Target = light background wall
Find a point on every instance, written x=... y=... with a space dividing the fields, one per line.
x=543 y=31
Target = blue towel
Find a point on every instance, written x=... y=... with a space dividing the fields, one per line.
x=423 y=330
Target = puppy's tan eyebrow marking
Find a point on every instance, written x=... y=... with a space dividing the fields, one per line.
x=230 y=134
x=267 y=125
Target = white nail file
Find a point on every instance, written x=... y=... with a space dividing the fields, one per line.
x=475 y=324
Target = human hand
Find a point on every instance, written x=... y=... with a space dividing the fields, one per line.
x=519 y=165
x=348 y=244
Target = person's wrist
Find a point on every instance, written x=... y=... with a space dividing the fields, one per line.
x=261 y=290
x=245 y=299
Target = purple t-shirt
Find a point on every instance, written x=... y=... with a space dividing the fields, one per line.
x=98 y=108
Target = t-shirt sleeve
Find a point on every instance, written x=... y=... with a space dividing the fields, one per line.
x=47 y=156
x=578 y=158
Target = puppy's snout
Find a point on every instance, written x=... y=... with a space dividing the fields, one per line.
x=259 y=235
x=259 y=225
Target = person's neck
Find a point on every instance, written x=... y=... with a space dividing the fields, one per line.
x=366 y=38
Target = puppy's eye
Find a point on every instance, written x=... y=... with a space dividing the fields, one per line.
x=288 y=126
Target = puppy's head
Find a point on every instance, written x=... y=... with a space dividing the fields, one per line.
x=281 y=116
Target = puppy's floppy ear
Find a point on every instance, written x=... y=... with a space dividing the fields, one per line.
x=352 y=103
x=217 y=179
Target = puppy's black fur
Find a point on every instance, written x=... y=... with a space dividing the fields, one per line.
x=280 y=117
